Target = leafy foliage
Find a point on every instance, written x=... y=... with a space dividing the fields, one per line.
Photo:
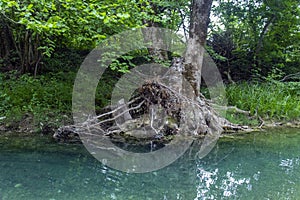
x=252 y=39
x=257 y=37
x=35 y=29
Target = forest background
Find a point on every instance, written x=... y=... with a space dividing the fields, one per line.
x=255 y=44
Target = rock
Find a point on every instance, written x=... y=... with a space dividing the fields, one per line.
x=67 y=134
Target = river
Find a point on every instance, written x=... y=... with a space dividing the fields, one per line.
x=260 y=165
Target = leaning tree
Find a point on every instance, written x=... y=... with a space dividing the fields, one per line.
x=166 y=106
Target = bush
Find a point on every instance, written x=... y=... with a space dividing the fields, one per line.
x=48 y=98
x=40 y=97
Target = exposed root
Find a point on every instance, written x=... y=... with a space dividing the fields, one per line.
x=156 y=112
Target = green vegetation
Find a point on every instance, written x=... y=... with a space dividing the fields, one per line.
x=272 y=100
x=34 y=30
x=44 y=42
x=256 y=37
x=46 y=99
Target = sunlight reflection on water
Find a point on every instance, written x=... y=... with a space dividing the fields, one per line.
x=209 y=188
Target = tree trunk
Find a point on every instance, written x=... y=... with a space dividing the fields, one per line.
x=155 y=36
x=19 y=49
x=160 y=109
x=7 y=44
x=197 y=38
x=259 y=45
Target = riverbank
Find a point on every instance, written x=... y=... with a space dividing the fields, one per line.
x=25 y=127
x=41 y=105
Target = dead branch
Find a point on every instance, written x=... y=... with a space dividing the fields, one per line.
x=233 y=109
x=156 y=111
x=291 y=76
x=119 y=115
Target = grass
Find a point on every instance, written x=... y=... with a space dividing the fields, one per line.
x=271 y=101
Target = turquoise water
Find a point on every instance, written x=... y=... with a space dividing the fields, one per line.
x=263 y=165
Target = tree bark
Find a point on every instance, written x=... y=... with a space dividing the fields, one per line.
x=155 y=37
x=197 y=38
x=162 y=108
x=7 y=43
x=259 y=45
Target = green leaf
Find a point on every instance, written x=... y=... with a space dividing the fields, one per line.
x=53 y=7
x=106 y=20
x=29 y=6
x=123 y=15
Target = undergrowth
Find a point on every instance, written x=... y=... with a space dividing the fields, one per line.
x=271 y=101
x=46 y=100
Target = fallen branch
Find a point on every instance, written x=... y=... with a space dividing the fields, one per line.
x=233 y=109
x=291 y=76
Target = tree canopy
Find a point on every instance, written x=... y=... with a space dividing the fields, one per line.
x=247 y=38
x=257 y=37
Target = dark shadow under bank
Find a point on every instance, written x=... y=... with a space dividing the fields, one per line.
x=26 y=126
x=38 y=142
x=26 y=136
